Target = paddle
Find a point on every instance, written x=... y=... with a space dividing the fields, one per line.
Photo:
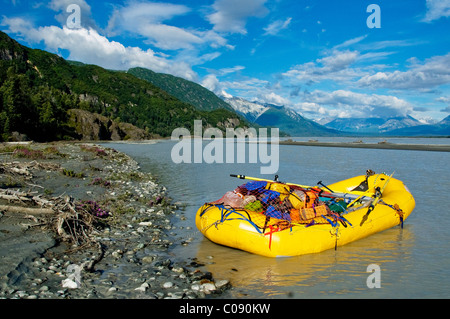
x=323 y=194
x=265 y=180
x=379 y=193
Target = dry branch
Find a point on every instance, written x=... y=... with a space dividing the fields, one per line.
x=26 y=210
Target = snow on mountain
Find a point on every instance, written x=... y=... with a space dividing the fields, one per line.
x=372 y=125
x=250 y=110
x=271 y=115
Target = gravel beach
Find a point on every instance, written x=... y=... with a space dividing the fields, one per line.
x=80 y=221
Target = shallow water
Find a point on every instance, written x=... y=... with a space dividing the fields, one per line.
x=413 y=261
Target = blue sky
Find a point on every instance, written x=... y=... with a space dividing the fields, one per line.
x=321 y=58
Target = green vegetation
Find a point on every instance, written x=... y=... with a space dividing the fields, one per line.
x=38 y=88
x=71 y=173
x=182 y=89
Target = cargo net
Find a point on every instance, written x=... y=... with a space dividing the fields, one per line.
x=277 y=206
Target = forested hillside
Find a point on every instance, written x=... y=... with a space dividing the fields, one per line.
x=37 y=89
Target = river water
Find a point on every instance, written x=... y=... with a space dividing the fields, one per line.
x=413 y=261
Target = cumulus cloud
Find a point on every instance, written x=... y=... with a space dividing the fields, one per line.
x=231 y=15
x=343 y=103
x=150 y=21
x=437 y=9
x=446 y=100
x=212 y=83
x=273 y=98
x=88 y=46
x=431 y=73
x=332 y=67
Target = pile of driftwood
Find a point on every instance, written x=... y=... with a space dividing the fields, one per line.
x=71 y=223
x=23 y=168
x=61 y=214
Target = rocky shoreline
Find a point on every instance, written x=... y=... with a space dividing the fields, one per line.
x=122 y=252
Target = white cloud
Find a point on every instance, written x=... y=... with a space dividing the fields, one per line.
x=431 y=73
x=276 y=26
x=443 y=99
x=169 y=37
x=273 y=98
x=343 y=103
x=210 y=82
x=350 y=42
x=437 y=9
x=88 y=46
x=146 y=19
x=213 y=84
x=226 y=71
x=231 y=15
x=150 y=21
x=332 y=67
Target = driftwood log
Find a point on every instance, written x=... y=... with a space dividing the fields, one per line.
x=26 y=210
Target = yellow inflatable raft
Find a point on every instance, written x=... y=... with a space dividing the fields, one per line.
x=281 y=219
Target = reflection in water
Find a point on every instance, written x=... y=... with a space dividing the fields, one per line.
x=341 y=273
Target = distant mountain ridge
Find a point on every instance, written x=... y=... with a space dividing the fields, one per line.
x=286 y=119
x=372 y=125
x=441 y=128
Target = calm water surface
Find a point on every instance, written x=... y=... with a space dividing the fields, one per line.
x=414 y=261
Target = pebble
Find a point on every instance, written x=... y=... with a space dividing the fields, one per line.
x=143 y=287
x=195 y=287
x=69 y=283
x=222 y=284
x=178 y=269
x=208 y=287
x=145 y=223
x=168 y=284
x=148 y=259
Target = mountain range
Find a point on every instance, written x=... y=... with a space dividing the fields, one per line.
x=286 y=119
x=391 y=126
x=41 y=92
x=441 y=128
x=372 y=125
